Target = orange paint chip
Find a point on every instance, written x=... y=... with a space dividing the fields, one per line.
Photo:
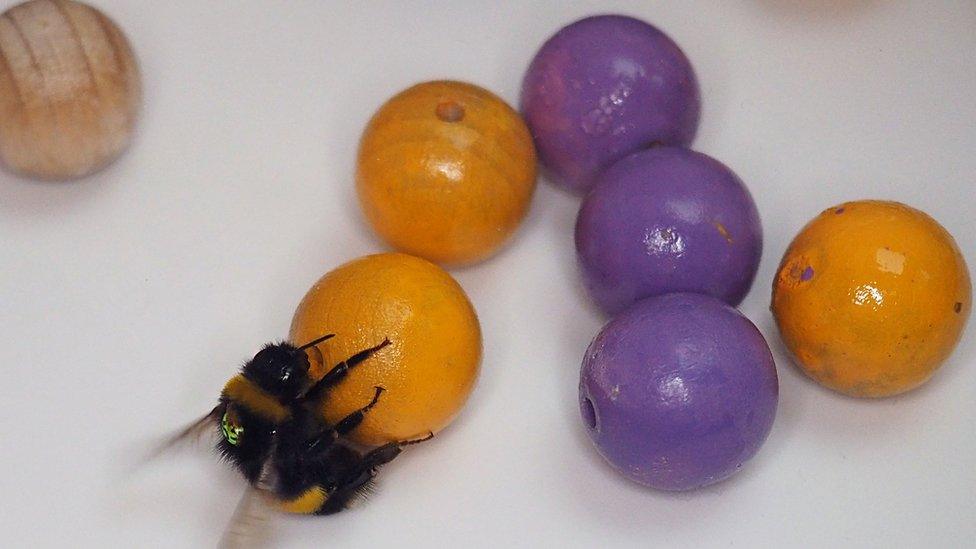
x=889 y=261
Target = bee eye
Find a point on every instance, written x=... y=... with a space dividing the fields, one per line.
x=231 y=429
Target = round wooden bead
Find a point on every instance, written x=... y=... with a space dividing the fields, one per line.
x=872 y=297
x=432 y=363
x=69 y=89
x=446 y=172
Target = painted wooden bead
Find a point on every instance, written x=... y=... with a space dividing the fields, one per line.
x=69 y=89
x=432 y=362
x=446 y=171
x=678 y=391
x=872 y=297
x=666 y=220
x=602 y=88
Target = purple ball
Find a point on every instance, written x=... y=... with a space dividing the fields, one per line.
x=678 y=392
x=602 y=88
x=667 y=220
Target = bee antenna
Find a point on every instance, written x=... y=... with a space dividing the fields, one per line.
x=315 y=342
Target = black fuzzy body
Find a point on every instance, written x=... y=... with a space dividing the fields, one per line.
x=284 y=445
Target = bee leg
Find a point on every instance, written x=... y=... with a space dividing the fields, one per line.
x=349 y=423
x=386 y=453
x=347 y=493
x=345 y=426
x=339 y=372
x=359 y=484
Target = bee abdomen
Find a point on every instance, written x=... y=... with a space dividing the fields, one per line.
x=309 y=503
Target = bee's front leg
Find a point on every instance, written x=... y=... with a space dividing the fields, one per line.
x=339 y=372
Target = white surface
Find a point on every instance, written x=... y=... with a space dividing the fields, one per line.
x=127 y=299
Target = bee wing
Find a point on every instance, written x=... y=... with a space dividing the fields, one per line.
x=192 y=433
x=250 y=526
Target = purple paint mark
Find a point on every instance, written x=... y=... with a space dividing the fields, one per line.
x=807 y=274
x=839 y=211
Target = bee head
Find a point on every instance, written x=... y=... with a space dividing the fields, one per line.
x=279 y=369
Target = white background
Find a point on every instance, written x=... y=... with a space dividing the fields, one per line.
x=128 y=298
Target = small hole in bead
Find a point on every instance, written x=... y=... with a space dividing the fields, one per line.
x=449 y=111
x=589 y=413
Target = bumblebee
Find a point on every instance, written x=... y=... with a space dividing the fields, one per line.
x=270 y=428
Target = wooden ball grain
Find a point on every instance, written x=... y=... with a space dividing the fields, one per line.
x=69 y=89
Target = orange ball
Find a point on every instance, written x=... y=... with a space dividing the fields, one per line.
x=871 y=298
x=446 y=171
x=431 y=365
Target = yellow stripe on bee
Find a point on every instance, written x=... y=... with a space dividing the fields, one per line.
x=309 y=502
x=245 y=392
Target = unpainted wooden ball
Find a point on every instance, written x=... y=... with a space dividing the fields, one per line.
x=69 y=89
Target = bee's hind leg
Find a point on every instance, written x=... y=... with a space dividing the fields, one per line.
x=361 y=484
x=348 y=494
x=386 y=453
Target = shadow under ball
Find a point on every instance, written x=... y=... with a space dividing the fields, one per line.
x=69 y=89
